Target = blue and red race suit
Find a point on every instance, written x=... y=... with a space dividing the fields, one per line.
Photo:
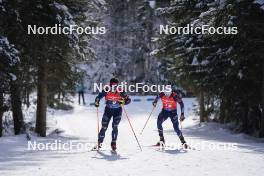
x=112 y=109
x=169 y=109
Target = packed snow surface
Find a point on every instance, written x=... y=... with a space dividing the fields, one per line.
x=79 y=125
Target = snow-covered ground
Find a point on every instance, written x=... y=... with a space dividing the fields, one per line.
x=246 y=157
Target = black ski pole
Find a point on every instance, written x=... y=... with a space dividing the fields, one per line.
x=147 y=120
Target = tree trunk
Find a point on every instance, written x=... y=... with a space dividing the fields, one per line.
x=262 y=115
x=59 y=97
x=222 y=115
x=42 y=98
x=212 y=104
x=202 y=108
x=1 y=113
x=27 y=98
x=245 y=117
x=206 y=110
x=227 y=110
x=16 y=105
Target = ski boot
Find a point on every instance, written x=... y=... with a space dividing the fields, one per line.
x=113 y=146
x=161 y=143
x=184 y=144
x=98 y=146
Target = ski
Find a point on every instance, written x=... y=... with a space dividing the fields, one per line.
x=157 y=147
x=190 y=148
x=93 y=149
x=167 y=147
x=113 y=152
x=187 y=147
x=96 y=150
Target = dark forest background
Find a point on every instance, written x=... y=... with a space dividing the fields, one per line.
x=225 y=72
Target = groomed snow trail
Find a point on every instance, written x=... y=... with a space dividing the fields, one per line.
x=79 y=125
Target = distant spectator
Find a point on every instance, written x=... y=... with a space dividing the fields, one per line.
x=81 y=90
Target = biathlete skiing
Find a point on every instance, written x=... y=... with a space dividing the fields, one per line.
x=114 y=100
x=169 y=99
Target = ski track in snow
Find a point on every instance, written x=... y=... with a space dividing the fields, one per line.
x=80 y=125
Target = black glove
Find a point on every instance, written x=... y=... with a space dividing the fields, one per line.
x=122 y=102
x=182 y=117
x=96 y=104
x=154 y=103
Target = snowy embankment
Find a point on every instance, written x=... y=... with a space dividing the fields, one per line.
x=79 y=125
